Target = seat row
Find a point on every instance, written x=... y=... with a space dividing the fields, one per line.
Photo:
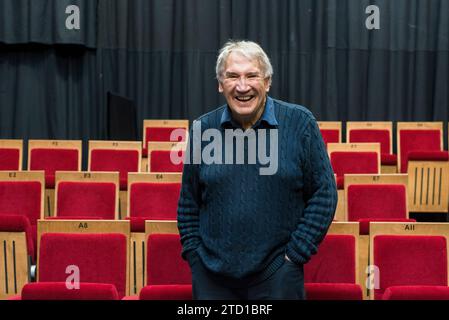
x=93 y=195
x=401 y=261
x=42 y=153
x=65 y=155
x=427 y=172
x=93 y=260
x=104 y=156
x=413 y=139
x=88 y=259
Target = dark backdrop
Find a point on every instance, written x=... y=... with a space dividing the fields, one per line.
x=161 y=54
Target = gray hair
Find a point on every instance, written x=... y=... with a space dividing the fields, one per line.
x=248 y=49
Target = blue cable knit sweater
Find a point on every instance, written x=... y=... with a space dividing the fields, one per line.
x=240 y=223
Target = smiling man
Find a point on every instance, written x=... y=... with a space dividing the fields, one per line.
x=244 y=234
x=245 y=86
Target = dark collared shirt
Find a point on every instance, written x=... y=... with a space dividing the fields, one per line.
x=268 y=117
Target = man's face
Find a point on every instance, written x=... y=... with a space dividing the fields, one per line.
x=244 y=87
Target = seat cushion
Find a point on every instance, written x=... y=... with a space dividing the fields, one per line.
x=333 y=291
x=428 y=155
x=166 y=292
x=59 y=291
x=388 y=159
x=416 y=293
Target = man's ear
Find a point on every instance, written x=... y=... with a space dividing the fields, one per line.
x=220 y=87
x=267 y=84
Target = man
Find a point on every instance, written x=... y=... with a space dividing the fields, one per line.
x=246 y=234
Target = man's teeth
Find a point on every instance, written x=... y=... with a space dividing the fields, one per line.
x=245 y=98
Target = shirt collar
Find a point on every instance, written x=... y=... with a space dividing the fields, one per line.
x=268 y=115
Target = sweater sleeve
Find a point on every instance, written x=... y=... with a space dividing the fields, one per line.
x=320 y=197
x=189 y=204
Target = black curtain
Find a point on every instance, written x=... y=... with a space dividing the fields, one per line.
x=161 y=54
x=49 y=92
x=48 y=22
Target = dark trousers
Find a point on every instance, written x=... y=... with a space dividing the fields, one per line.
x=287 y=283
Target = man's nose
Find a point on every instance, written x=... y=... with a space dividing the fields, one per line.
x=242 y=84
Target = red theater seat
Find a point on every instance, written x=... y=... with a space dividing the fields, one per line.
x=152 y=201
x=21 y=198
x=410 y=260
x=347 y=162
x=168 y=275
x=100 y=258
x=422 y=140
x=376 y=202
x=331 y=273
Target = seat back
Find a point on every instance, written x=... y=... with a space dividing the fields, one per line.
x=378 y=131
x=166 y=156
x=417 y=136
x=161 y=130
x=87 y=194
x=111 y=156
x=98 y=249
x=11 y=154
x=330 y=131
x=336 y=260
x=97 y=258
x=54 y=155
x=376 y=196
x=165 y=265
x=354 y=158
x=154 y=196
x=22 y=193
